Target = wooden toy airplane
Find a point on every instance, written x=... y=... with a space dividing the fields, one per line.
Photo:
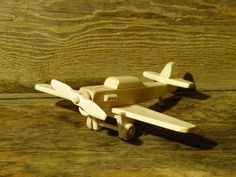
x=119 y=98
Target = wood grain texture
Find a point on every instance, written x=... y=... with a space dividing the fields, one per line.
x=82 y=42
x=39 y=138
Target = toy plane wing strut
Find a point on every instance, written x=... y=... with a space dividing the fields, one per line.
x=152 y=117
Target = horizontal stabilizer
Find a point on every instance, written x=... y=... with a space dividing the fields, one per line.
x=175 y=82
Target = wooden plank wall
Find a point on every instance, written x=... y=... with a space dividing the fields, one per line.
x=82 y=42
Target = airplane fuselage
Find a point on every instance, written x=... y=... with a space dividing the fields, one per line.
x=106 y=96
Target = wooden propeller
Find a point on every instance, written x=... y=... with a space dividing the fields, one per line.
x=86 y=104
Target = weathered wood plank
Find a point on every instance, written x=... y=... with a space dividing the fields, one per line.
x=83 y=42
x=39 y=138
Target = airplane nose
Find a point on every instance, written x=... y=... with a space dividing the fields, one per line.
x=85 y=94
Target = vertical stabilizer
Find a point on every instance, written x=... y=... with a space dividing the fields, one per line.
x=166 y=72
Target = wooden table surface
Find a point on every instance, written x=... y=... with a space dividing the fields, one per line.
x=42 y=136
x=83 y=42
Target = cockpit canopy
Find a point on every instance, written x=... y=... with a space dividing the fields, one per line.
x=121 y=82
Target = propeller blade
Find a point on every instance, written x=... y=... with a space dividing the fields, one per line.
x=65 y=91
x=92 y=108
x=87 y=105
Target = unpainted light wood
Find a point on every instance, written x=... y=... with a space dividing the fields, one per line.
x=167 y=70
x=155 y=118
x=175 y=82
x=94 y=109
x=125 y=126
x=127 y=96
x=121 y=95
x=83 y=42
x=78 y=98
x=120 y=82
x=47 y=88
x=43 y=136
x=166 y=77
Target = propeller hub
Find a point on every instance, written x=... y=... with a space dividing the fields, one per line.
x=76 y=101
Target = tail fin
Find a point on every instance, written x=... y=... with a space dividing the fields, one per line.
x=166 y=72
x=165 y=75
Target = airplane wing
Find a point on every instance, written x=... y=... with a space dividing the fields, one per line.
x=152 y=117
x=47 y=88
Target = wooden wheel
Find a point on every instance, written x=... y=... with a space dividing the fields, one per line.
x=128 y=132
x=93 y=124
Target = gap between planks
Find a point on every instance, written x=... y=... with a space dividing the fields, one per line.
x=15 y=96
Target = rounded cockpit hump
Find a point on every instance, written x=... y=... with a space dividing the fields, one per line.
x=119 y=82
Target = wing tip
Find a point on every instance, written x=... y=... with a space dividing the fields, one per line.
x=188 y=129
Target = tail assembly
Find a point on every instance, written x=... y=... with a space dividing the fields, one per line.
x=165 y=75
